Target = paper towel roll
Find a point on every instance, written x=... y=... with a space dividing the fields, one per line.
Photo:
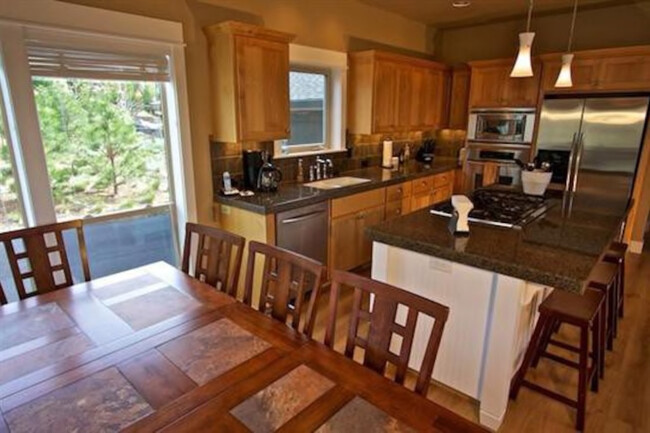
x=387 y=156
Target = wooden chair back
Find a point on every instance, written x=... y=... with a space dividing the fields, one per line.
x=376 y=304
x=3 y=297
x=287 y=279
x=217 y=258
x=38 y=254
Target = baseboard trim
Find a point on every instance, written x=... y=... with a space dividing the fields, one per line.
x=636 y=247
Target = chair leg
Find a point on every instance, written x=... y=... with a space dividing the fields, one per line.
x=533 y=347
x=595 y=352
x=582 y=377
x=621 y=289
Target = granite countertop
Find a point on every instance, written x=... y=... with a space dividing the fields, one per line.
x=555 y=250
x=294 y=195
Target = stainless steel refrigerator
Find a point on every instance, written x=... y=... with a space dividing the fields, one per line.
x=593 y=145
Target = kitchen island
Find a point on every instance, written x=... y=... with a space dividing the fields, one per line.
x=493 y=281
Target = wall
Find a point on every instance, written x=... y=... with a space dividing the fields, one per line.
x=624 y=25
x=344 y=25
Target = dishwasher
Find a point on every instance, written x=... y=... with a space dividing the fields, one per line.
x=304 y=230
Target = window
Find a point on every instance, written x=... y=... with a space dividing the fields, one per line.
x=10 y=210
x=308 y=107
x=316 y=102
x=104 y=144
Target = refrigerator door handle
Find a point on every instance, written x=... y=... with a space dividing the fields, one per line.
x=580 y=147
x=569 y=176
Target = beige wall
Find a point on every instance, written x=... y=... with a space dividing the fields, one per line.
x=595 y=28
x=333 y=24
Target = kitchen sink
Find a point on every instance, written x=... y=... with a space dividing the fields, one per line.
x=337 y=182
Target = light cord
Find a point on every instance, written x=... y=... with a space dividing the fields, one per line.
x=573 y=25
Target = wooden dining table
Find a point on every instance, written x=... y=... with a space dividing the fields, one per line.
x=153 y=349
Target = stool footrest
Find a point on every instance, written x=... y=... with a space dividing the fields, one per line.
x=552 y=394
x=561 y=360
x=564 y=346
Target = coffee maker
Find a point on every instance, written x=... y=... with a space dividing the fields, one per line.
x=253 y=161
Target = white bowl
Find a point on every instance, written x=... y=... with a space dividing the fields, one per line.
x=535 y=182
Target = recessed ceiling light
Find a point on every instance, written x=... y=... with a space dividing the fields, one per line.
x=461 y=3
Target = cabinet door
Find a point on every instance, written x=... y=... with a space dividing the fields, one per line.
x=422 y=200
x=458 y=99
x=624 y=73
x=486 y=88
x=262 y=88
x=350 y=246
x=385 y=101
x=521 y=92
x=397 y=208
x=433 y=95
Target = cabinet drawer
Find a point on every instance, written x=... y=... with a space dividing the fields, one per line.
x=398 y=192
x=443 y=193
x=443 y=179
x=397 y=208
x=357 y=202
x=422 y=185
x=420 y=201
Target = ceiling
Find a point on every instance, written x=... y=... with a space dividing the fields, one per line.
x=441 y=14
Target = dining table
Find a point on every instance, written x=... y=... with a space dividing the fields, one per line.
x=152 y=349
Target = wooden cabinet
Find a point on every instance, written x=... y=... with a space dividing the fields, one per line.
x=394 y=93
x=249 y=72
x=491 y=85
x=430 y=190
x=349 y=246
x=398 y=200
x=459 y=98
x=615 y=69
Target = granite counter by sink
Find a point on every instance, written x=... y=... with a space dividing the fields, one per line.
x=293 y=195
x=555 y=250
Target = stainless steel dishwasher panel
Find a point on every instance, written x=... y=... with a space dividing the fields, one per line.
x=304 y=230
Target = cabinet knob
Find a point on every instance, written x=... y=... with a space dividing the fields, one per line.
x=398 y=211
x=399 y=190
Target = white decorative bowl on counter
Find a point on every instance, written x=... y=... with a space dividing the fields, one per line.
x=535 y=182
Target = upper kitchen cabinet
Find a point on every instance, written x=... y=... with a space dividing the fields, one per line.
x=459 y=97
x=395 y=93
x=491 y=85
x=249 y=72
x=615 y=69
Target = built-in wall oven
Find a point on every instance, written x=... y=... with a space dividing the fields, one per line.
x=501 y=125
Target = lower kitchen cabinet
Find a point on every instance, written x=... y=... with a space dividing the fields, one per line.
x=349 y=245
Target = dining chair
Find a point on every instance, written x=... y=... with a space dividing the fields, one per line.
x=215 y=257
x=287 y=279
x=38 y=258
x=378 y=305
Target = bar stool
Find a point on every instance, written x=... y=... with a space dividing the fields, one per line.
x=586 y=313
x=604 y=277
x=616 y=254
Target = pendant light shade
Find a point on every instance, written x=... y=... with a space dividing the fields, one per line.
x=523 y=65
x=564 y=79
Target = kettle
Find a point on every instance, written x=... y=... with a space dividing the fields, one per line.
x=269 y=176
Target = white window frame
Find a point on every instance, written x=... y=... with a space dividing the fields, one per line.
x=118 y=30
x=334 y=65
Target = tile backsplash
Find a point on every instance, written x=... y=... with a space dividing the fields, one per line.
x=362 y=151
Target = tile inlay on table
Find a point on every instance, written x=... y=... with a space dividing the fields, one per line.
x=276 y=404
x=212 y=350
x=104 y=401
x=360 y=416
x=153 y=307
x=25 y=325
x=121 y=287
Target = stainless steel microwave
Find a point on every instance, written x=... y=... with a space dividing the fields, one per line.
x=504 y=125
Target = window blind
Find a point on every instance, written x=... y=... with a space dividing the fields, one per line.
x=59 y=61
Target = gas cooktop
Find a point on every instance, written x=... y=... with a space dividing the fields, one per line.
x=499 y=208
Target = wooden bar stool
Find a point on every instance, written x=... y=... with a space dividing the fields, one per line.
x=585 y=312
x=604 y=277
x=616 y=254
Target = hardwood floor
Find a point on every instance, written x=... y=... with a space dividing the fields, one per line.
x=623 y=401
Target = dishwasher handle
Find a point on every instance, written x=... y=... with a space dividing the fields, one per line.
x=302 y=217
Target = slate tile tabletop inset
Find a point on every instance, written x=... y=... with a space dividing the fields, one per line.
x=25 y=325
x=276 y=404
x=105 y=401
x=212 y=350
x=359 y=416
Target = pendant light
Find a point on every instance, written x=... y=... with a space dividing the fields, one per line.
x=523 y=65
x=564 y=78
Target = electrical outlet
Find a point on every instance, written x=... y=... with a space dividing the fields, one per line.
x=440 y=265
